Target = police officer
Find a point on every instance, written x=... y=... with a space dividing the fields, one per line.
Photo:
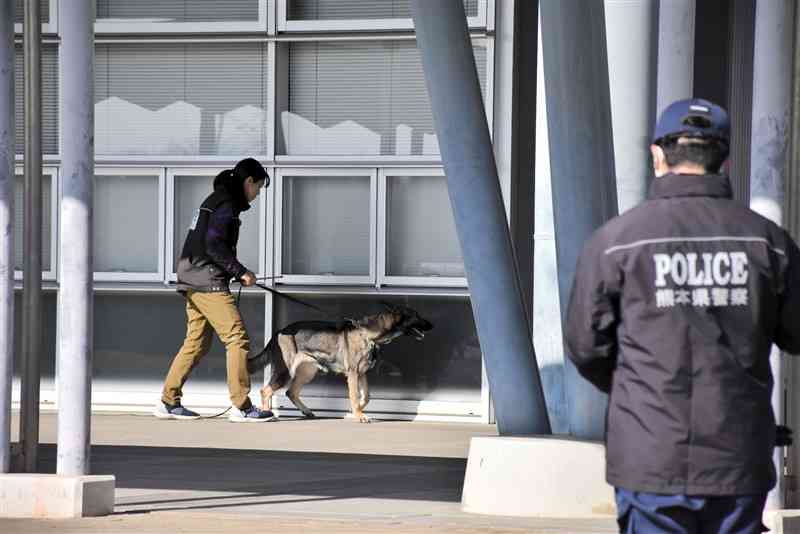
x=674 y=310
x=207 y=263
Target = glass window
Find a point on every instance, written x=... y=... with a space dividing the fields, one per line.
x=190 y=192
x=47 y=222
x=161 y=11
x=444 y=366
x=47 y=358
x=326 y=225
x=137 y=336
x=181 y=99
x=421 y=237
x=357 y=9
x=365 y=98
x=126 y=223
x=49 y=98
x=19 y=11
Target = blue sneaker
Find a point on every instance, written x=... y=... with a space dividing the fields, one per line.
x=174 y=411
x=251 y=415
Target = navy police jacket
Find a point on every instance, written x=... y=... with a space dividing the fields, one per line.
x=674 y=310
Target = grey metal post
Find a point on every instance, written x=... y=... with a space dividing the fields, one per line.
x=32 y=265
x=792 y=223
x=581 y=160
x=7 y=148
x=463 y=133
x=548 y=337
x=675 y=52
x=632 y=51
x=75 y=304
x=772 y=97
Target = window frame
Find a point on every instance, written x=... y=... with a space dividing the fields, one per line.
x=50 y=27
x=265 y=8
x=55 y=192
x=155 y=276
x=384 y=278
x=344 y=25
x=322 y=172
x=169 y=256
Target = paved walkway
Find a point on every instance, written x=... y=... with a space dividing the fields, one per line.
x=324 y=475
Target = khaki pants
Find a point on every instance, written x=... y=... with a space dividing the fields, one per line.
x=204 y=312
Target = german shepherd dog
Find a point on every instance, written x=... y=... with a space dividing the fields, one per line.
x=298 y=351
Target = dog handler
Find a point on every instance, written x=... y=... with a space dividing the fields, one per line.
x=207 y=263
x=674 y=310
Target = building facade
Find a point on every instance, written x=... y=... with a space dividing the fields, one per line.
x=330 y=96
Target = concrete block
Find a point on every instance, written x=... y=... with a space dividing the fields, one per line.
x=785 y=521
x=537 y=477
x=56 y=497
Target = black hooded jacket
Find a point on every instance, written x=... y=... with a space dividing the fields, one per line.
x=674 y=310
x=208 y=260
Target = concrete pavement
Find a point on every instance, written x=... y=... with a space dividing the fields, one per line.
x=323 y=475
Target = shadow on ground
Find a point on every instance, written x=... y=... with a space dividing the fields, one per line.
x=256 y=477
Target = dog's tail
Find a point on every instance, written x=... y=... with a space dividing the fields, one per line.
x=271 y=355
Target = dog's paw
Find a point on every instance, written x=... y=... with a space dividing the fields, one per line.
x=363 y=418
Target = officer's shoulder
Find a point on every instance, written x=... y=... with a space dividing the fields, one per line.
x=219 y=202
x=626 y=223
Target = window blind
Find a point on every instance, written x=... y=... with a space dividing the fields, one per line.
x=357 y=9
x=155 y=11
x=49 y=99
x=44 y=7
x=181 y=99
x=360 y=98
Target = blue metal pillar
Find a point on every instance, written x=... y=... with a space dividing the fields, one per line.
x=463 y=134
x=581 y=160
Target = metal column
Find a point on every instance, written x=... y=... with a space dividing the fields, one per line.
x=772 y=90
x=32 y=265
x=632 y=52
x=792 y=223
x=7 y=149
x=675 y=52
x=75 y=304
x=581 y=160
x=463 y=134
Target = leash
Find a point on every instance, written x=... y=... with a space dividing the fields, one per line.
x=283 y=296
x=216 y=415
x=292 y=299
x=278 y=294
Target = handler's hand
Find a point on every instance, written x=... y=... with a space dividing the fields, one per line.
x=248 y=279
